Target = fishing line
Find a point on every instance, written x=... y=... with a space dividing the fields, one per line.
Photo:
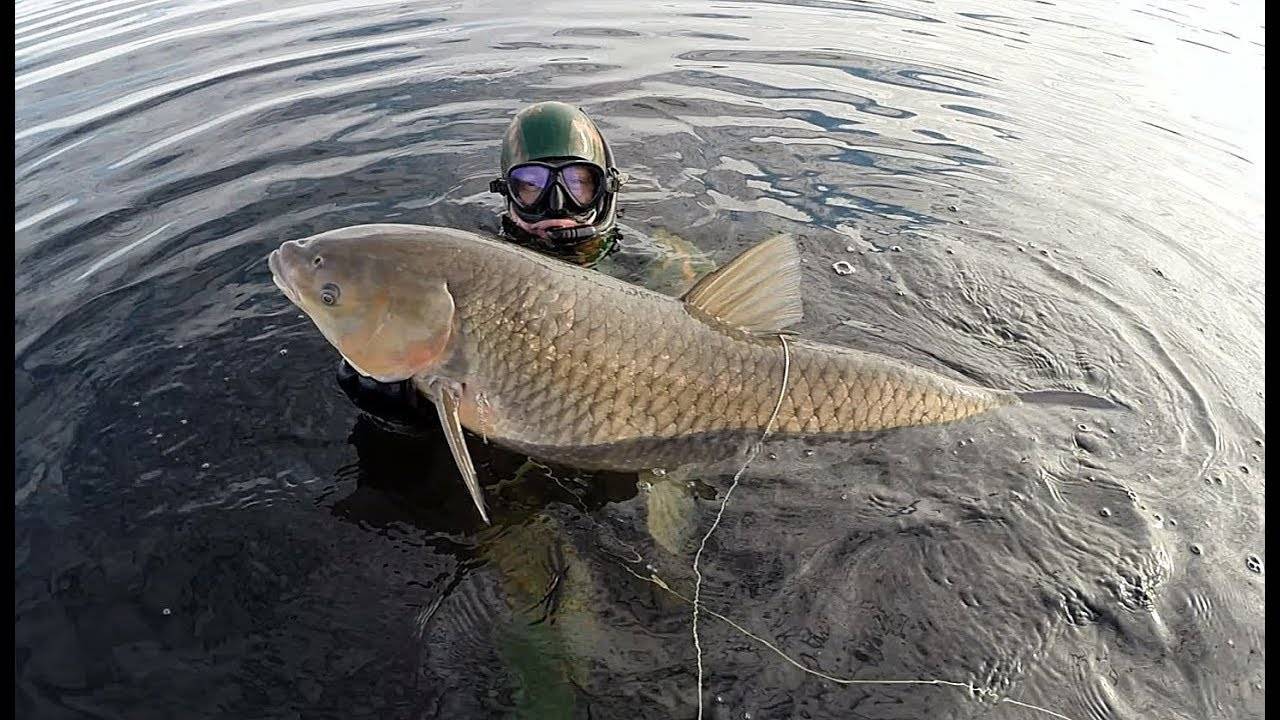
x=751 y=454
x=974 y=690
x=696 y=602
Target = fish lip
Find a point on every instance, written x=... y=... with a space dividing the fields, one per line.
x=278 y=277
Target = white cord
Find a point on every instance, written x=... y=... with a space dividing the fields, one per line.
x=697 y=587
x=973 y=689
x=751 y=454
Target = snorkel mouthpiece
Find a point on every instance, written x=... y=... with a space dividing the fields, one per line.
x=573 y=234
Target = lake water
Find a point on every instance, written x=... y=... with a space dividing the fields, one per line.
x=1031 y=195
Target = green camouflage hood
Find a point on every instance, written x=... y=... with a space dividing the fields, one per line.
x=552 y=130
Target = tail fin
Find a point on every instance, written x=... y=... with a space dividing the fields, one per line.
x=1067 y=397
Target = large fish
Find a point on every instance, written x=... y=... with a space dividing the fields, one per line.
x=573 y=366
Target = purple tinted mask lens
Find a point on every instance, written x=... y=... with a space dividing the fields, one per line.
x=582 y=181
x=527 y=183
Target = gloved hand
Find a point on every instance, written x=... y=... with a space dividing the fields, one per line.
x=398 y=404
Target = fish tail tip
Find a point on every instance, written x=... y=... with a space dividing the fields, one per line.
x=1068 y=397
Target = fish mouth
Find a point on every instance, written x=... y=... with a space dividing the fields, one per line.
x=278 y=277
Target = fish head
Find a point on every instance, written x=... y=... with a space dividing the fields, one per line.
x=389 y=322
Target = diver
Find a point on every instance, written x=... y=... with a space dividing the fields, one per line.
x=560 y=185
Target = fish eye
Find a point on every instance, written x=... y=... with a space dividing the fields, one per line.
x=330 y=293
x=318 y=261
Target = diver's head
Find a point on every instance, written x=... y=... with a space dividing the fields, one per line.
x=559 y=180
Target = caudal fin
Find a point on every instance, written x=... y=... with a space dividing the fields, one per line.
x=1067 y=397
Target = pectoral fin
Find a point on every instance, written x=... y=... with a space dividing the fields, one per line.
x=672 y=510
x=446 y=401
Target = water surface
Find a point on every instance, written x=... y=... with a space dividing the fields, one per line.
x=1031 y=194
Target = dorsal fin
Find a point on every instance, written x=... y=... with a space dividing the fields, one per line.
x=758 y=291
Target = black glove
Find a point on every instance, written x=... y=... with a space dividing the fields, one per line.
x=398 y=403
